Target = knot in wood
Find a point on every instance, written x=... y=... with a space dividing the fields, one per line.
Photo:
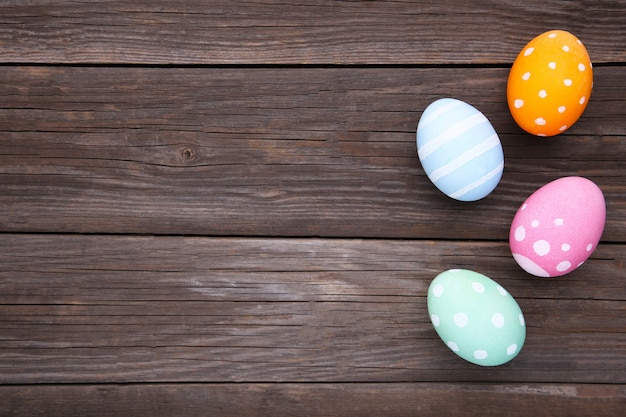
x=188 y=154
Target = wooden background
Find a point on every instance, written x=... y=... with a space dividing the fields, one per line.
x=216 y=208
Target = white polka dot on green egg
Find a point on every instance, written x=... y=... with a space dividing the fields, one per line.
x=476 y=317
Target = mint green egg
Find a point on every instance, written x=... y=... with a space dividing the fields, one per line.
x=476 y=317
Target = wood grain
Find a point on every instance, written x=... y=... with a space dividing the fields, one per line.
x=98 y=309
x=313 y=400
x=216 y=208
x=274 y=152
x=299 y=32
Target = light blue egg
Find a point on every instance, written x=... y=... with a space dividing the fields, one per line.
x=459 y=149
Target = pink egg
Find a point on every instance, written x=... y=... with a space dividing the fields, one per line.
x=558 y=227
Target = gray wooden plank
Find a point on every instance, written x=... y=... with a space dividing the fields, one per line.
x=312 y=400
x=271 y=152
x=298 y=32
x=121 y=309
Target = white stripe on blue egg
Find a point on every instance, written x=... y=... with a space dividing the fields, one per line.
x=459 y=150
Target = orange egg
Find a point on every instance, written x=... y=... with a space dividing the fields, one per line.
x=550 y=83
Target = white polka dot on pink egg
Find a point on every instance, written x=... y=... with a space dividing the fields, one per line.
x=558 y=227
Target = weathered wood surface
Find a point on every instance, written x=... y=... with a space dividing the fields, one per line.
x=311 y=32
x=94 y=309
x=289 y=152
x=313 y=400
x=216 y=208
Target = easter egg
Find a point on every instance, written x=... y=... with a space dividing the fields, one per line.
x=550 y=83
x=476 y=317
x=557 y=228
x=459 y=150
